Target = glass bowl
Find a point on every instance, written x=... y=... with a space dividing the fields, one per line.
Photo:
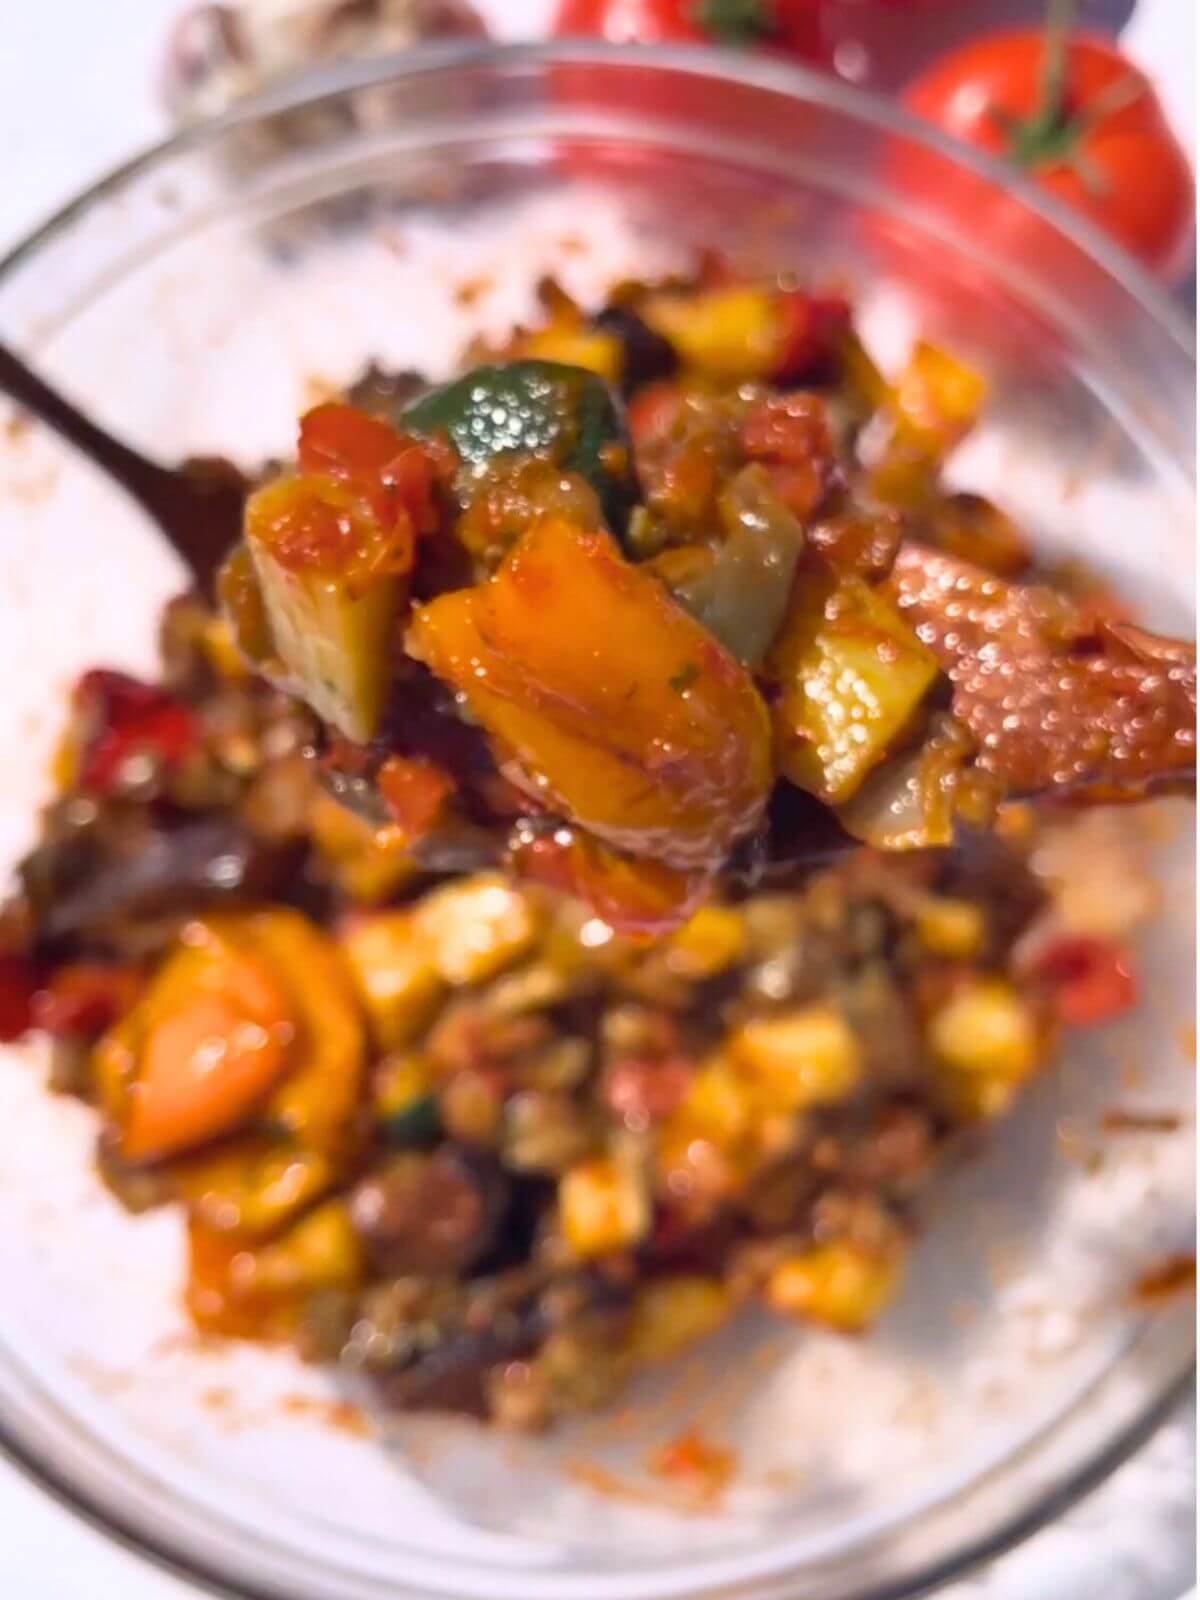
x=196 y=301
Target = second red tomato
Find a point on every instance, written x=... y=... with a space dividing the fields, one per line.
x=792 y=26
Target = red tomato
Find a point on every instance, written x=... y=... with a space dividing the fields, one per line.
x=1079 y=118
x=793 y=26
x=1091 y=979
x=815 y=326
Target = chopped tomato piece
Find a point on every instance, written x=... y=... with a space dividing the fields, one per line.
x=652 y=411
x=353 y=447
x=1050 y=706
x=84 y=998
x=17 y=985
x=644 y=1089
x=122 y=717
x=319 y=523
x=1092 y=979
x=415 y=792
x=813 y=327
x=789 y=433
x=636 y=898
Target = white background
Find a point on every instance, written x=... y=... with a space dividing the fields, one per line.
x=78 y=94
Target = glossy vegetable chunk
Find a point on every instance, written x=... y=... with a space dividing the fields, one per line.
x=742 y=596
x=316 y=1101
x=331 y=589
x=541 y=408
x=840 y=1284
x=634 y=896
x=200 y=1051
x=1052 y=699
x=743 y=331
x=604 y=699
x=851 y=675
x=251 y=1185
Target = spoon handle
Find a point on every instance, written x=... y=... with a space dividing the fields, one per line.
x=197 y=510
x=142 y=479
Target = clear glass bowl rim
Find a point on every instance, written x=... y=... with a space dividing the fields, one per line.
x=751 y=71
x=806 y=86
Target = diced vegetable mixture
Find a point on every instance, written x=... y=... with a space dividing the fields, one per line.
x=570 y=886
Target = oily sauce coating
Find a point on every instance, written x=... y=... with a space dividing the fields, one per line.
x=1052 y=702
x=605 y=698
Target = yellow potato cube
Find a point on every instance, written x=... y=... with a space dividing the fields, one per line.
x=727 y=333
x=986 y=1028
x=720 y=1103
x=603 y=1206
x=841 y=1284
x=573 y=347
x=709 y=942
x=939 y=396
x=951 y=928
x=802 y=1058
x=475 y=928
x=393 y=968
x=322 y=1251
x=851 y=674
x=368 y=863
x=400 y=1083
x=671 y=1313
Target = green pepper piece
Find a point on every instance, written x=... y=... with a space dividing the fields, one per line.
x=743 y=597
x=413 y=1125
x=536 y=408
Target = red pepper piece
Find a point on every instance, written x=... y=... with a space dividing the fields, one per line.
x=123 y=717
x=84 y=998
x=396 y=472
x=1092 y=979
x=636 y=898
x=813 y=328
x=415 y=792
x=642 y=1090
x=17 y=984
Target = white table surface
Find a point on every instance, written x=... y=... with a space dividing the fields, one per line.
x=77 y=95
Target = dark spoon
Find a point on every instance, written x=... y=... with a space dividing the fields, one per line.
x=197 y=505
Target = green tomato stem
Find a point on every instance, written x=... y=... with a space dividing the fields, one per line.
x=735 y=21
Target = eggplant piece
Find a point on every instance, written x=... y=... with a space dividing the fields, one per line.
x=648 y=357
x=385 y=393
x=432 y=1214
x=445 y=1368
x=80 y=891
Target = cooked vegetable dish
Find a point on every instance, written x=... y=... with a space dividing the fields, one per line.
x=576 y=882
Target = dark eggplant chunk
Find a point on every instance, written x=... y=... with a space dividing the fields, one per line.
x=447 y=1369
x=434 y=1214
x=79 y=890
x=385 y=393
x=647 y=356
x=452 y=1375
